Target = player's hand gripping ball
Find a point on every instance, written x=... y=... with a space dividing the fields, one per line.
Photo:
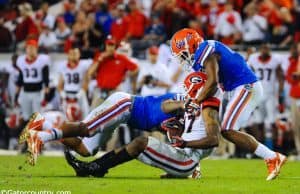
x=174 y=128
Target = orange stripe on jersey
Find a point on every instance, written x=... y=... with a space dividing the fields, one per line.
x=237 y=114
x=233 y=106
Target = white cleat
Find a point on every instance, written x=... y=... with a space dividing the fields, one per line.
x=35 y=123
x=274 y=165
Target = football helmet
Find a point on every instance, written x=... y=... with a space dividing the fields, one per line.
x=194 y=83
x=184 y=44
x=73 y=112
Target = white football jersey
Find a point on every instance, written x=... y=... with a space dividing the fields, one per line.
x=194 y=126
x=266 y=71
x=32 y=71
x=73 y=77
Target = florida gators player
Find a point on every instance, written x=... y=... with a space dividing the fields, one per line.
x=180 y=159
x=228 y=69
x=142 y=113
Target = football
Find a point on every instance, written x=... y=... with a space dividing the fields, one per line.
x=173 y=127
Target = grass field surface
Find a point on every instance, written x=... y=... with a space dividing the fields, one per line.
x=52 y=174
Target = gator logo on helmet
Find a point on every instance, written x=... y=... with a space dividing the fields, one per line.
x=181 y=43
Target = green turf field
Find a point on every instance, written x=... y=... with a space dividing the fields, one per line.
x=219 y=176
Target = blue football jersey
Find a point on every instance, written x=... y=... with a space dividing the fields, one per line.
x=146 y=112
x=233 y=69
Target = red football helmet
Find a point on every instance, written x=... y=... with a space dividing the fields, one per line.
x=193 y=83
x=184 y=44
x=73 y=112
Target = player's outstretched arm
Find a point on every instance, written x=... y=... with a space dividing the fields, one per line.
x=211 y=85
x=212 y=127
x=171 y=105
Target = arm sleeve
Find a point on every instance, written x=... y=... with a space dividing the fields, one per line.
x=19 y=81
x=45 y=72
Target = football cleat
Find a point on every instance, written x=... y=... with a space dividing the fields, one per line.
x=75 y=164
x=35 y=145
x=274 y=165
x=84 y=169
x=35 y=123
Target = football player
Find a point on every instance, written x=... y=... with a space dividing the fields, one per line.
x=72 y=84
x=267 y=67
x=182 y=156
x=143 y=113
x=227 y=68
x=33 y=77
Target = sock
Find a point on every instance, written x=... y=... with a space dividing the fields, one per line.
x=49 y=135
x=46 y=125
x=264 y=152
x=112 y=159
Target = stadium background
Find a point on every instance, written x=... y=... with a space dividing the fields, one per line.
x=150 y=24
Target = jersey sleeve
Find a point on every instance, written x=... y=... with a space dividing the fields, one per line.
x=204 y=50
x=19 y=81
x=211 y=102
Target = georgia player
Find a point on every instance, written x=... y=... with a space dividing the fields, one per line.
x=178 y=159
x=267 y=67
x=34 y=74
x=72 y=84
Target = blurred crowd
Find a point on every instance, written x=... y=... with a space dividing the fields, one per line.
x=144 y=23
